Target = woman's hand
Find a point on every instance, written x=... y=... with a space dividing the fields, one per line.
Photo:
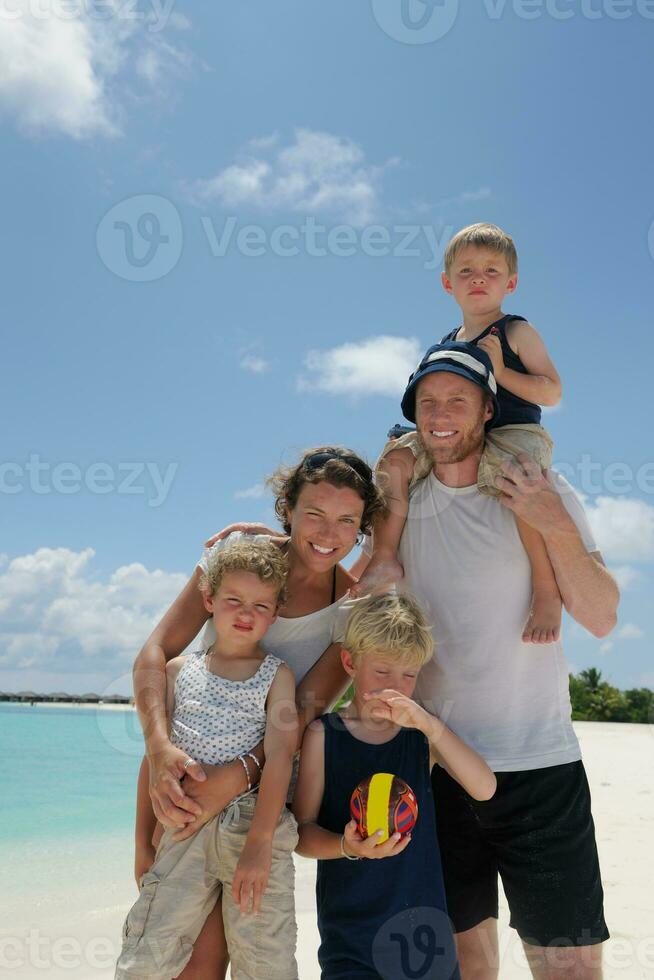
x=398 y=708
x=143 y=860
x=252 y=873
x=357 y=846
x=211 y=797
x=172 y=805
x=246 y=528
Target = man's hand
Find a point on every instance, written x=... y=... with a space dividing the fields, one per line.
x=171 y=804
x=356 y=846
x=252 y=873
x=493 y=347
x=528 y=493
x=246 y=528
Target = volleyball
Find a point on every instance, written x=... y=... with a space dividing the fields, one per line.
x=384 y=802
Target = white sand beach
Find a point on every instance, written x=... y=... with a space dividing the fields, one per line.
x=63 y=920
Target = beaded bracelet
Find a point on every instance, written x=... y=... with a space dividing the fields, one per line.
x=247 y=771
x=350 y=857
x=251 y=755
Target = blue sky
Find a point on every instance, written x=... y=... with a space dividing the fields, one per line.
x=221 y=241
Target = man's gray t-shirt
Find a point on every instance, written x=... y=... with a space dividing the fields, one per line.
x=463 y=558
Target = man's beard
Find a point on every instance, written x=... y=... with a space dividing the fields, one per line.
x=471 y=444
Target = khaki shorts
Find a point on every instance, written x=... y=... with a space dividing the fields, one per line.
x=502 y=444
x=181 y=888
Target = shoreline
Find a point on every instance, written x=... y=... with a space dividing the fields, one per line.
x=88 y=705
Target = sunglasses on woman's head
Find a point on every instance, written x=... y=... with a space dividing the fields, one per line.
x=315 y=461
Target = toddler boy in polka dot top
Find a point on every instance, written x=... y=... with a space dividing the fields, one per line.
x=221 y=702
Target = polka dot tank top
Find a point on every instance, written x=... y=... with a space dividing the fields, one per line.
x=216 y=719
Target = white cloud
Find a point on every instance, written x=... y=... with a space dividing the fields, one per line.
x=62 y=73
x=624 y=575
x=264 y=142
x=466 y=197
x=317 y=173
x=606 y=647
x=630 y=632
x=252 y=493
x=254 y=363
x=376 y=366
x=623 y=528
x=53 y=608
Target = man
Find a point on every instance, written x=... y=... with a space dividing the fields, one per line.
x=463 y=558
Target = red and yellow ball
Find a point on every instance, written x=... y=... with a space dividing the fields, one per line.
x=384 y=802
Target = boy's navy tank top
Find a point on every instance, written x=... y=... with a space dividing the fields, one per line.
x=513 y=410
x=382 y=919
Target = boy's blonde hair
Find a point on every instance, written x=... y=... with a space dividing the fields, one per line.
x=392 y=625
x=482 y=235
x=262 y=558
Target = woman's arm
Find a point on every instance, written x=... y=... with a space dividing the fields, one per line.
x=176 y=630
x=320 y=688
x=145 y=825
x=245 y=528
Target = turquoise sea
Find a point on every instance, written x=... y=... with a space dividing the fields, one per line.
x=72 y=772
x=66 y=837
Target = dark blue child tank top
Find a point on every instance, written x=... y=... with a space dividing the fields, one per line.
x=382 y=919
x=513 y=410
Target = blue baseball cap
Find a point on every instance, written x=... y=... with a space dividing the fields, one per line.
x=466 y=360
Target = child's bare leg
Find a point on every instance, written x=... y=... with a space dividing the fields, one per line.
x=383 y=569
x=544 y=623
x=210 y=957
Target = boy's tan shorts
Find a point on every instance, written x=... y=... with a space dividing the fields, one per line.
x=181 y=888
x=502 y=444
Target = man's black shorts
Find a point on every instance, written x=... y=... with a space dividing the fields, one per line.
x=537 y=832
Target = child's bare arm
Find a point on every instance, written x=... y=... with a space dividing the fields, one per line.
x=446 y=748
x=542 y=385
x=280 y=740
x=460 y=761
x=394 y=473
x=315 y=841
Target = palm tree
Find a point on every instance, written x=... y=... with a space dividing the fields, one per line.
x=592 y=678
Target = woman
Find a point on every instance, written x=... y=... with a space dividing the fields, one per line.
x=324 y=503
